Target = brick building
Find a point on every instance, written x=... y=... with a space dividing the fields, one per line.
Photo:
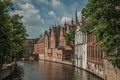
x=39 y=48
x=55 y=47
x=95 y=56
x=29 y=45
x=87 y=51
x=55 y=44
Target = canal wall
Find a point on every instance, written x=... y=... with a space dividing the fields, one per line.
x=111 y=72
x=65 y=62
x=106 y=72
x=7 y=70
x=96 y=69
x=61 y=62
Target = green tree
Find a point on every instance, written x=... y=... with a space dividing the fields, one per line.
x=70 y=38
x=4 y=30
x=17 y=36
x=103 y=17
x=12 y=33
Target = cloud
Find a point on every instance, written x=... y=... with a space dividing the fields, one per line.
x=31 y=18
x=43 y=1
x=30 y=13
x=68 y=19
x=21 y=1
x=55 y=3
x=63 y=19
x=51 y=13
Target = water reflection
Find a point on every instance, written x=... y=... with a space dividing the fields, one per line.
x=44 y=70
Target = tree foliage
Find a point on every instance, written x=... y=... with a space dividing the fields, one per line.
x=12 y=33
x=70 y=38
x=103 y=17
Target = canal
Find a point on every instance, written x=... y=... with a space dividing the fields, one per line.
x=45 y=70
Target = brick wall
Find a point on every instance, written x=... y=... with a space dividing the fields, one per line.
x=41 y=48
x=95 y=57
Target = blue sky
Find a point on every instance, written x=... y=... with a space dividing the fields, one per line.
x=40 y=15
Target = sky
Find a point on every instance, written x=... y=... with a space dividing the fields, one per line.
x=40 y=15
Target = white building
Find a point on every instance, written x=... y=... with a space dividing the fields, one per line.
x=80 y=48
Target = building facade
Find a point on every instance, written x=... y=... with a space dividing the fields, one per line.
x=80 y=47
x=95 y=56
x=55 y=44
x=55 y=47
x=39 y=48
x=29 y=45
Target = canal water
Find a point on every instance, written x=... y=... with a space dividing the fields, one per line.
x=45 y=70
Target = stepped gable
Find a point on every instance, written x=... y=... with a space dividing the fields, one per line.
x=57 y=35
x=41 y=39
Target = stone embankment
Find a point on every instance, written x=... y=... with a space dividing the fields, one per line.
x=7 y=70
x=64 y=62
x=61 y=62
x=111 y=72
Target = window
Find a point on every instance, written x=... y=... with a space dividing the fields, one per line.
x=88 y=52
x=99 y=53
x=92 y=52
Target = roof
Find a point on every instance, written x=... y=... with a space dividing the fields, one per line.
x=41 y=39
x=57 y=32
x=61 y=47
x=67 y=48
